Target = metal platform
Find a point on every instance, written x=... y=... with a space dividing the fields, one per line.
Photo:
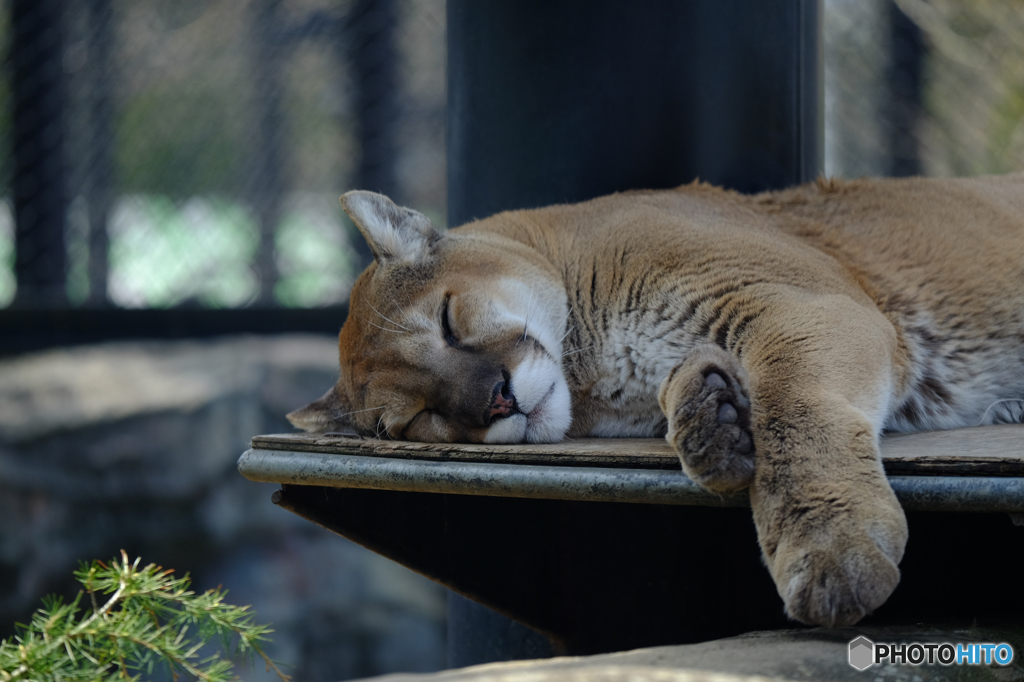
x=978 y=469
x=604 y=545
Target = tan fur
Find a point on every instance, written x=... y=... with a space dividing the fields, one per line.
x=771 y=338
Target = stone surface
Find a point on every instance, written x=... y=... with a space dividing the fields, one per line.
x=796 y=655
x=134 y=445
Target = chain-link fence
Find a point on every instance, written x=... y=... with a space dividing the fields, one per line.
x=160 y=154
x=930 y=87
x=164 y=154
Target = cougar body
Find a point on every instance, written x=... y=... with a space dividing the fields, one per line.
x=770 y=338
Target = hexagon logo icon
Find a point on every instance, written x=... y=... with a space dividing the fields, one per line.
x=862 y=653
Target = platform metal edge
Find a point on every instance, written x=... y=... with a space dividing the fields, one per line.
x=588 y=484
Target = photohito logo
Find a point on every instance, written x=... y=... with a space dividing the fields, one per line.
x=864 y=653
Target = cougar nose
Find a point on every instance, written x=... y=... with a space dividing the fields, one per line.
x=503 y=403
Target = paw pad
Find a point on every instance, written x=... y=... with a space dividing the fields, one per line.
x=709 y=420
x=715 y=380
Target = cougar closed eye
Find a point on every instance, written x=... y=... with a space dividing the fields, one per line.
x=446 y=323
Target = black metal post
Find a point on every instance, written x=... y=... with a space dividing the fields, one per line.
x=554 y=101
x=905 y=80
x=40 y=182
x=100 y=171
x=370 y=44
x=559 y=100
x=267 y=183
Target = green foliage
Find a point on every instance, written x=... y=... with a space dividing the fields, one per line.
x=149 y=619
x=178 y=140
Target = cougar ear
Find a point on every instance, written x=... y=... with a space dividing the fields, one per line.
x=326 y=413
x=393 y=232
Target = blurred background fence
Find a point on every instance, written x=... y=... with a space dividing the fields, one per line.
x=189 y=154
x=171 y=169
x=924 y=87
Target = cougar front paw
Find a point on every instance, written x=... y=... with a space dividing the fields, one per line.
x=708 y=412
x=836 y=563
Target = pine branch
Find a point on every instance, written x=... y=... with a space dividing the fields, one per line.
x=145 y=621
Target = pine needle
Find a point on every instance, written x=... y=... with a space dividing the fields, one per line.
x=149 y=618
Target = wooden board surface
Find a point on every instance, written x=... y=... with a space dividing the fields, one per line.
x=980 y=451
x=640 y=453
